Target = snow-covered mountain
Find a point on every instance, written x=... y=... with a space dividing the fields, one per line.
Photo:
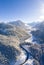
x=14 y=50
x=11 y=35
x=18 y=23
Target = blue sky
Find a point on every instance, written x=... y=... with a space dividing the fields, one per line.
x=25 y=10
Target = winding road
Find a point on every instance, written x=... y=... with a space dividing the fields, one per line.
x=27 y=53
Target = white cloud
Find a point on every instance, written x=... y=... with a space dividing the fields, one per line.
x=41 y=17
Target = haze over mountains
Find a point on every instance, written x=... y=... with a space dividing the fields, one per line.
x=39 y=32
x=13 y=48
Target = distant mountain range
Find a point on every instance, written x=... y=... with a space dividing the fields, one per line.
x=18 y=23
x=33 y=24
x=39 y=33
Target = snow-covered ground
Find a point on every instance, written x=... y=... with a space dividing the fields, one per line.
x=21 y=59
x=29 y=62
x=23 y=56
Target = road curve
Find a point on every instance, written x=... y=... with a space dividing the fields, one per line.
x=27 y=53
